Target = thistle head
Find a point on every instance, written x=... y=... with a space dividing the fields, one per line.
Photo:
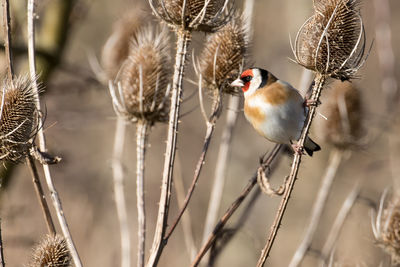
x=343 y=110
x=18 y=118
x=51 y=251
x=198 y=15
x=223 y=57
x=143 y=83
x=332 y=41
x=116 y=48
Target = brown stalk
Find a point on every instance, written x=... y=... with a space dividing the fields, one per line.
x=229 y=212
x=7 y=39
x=2 y=263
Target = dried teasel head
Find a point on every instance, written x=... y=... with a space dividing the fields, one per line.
x=19 y=118
x=223 y=57
x=116 y=48
x=51 y=251
x=332 y=41
x=342 y=108
x=143 y=85
x=199 y=15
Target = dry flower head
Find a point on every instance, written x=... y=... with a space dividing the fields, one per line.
x=116 y=48
x=201 y=15
x=52 y=251
x=223 y=57
x=332 y=41
x=343 y=110
x=386 y=227
x=19 y=118
x=143 y=84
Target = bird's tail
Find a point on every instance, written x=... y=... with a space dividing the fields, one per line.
x=310 y=146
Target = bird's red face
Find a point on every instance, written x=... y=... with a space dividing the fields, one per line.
x=244 y=80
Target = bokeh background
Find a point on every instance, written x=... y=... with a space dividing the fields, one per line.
x=80 y=126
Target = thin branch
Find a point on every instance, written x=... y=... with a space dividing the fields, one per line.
x=319 y=204
x=7 y=39
x=40 y=195
x=119 y=195
x=319 y=82
x=2 y=263
x=229 y=212
x=42 y=144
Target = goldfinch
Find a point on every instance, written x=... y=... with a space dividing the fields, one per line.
x=275 y=109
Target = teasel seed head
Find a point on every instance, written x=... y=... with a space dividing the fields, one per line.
x=19 y=118
x=332 y=41
x=386 y=228
x=223 y=56
x=116 y=48
x=342 y=108
x=52 y=251
x=199 y=15
x=143 y=84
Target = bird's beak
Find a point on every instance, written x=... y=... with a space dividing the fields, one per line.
x=237 y=83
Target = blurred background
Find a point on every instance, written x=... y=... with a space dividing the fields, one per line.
x=80 y=127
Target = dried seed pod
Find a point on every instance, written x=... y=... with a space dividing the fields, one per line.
x=52 y=251
x=332 y=41
x=223 y=56
x=19 y=119
x=343 y=109
x=387 y=228
x=116 y=48
x=145 y=76
x=201 y=15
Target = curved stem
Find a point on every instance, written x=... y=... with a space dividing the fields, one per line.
x=165 y=196
x=319 y=204
x=119 y=195
x=42 y=144
x=319 y=82
x=141 y=134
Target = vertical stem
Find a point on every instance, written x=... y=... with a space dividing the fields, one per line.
x=319 y=204
x=319 y=82
x=119 y=195
x=2 y=263
x=40 y=195
x=141 y=134
x=42 y=144
x=165 y=196
x=7 y=38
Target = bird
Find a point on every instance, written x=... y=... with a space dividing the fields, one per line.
x=276 y=109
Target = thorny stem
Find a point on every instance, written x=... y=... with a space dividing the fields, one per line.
x=119 y=195
x=40 y=195
x=165 y=196
x=319 y=82
x=141 y=135
x=319 y=204
x=7 y=38
x=199 y=166
x=42 y=143
x=224 y=219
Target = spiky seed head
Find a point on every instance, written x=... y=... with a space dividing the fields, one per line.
x=343 y=110
x=19 y=118
x=145 y=76
x=389 y=234
x=332 y=41
x=116 y=48
x=52 y=251
x=199 y=15
x=223 y=57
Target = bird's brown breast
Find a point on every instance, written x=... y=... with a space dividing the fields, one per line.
x=273 y=94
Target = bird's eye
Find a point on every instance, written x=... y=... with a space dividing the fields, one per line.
x=246 y=79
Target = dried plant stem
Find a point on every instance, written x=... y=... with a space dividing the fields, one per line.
x=224 y=219
x=183 y=39
x=339 y=222
x=119 y=195
x=2 y=263
x=40 y=195
x=319 y=205
x=7 y=39
x=219 y=176
x=141 y=136
x=42 y=144
x=319 y=82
